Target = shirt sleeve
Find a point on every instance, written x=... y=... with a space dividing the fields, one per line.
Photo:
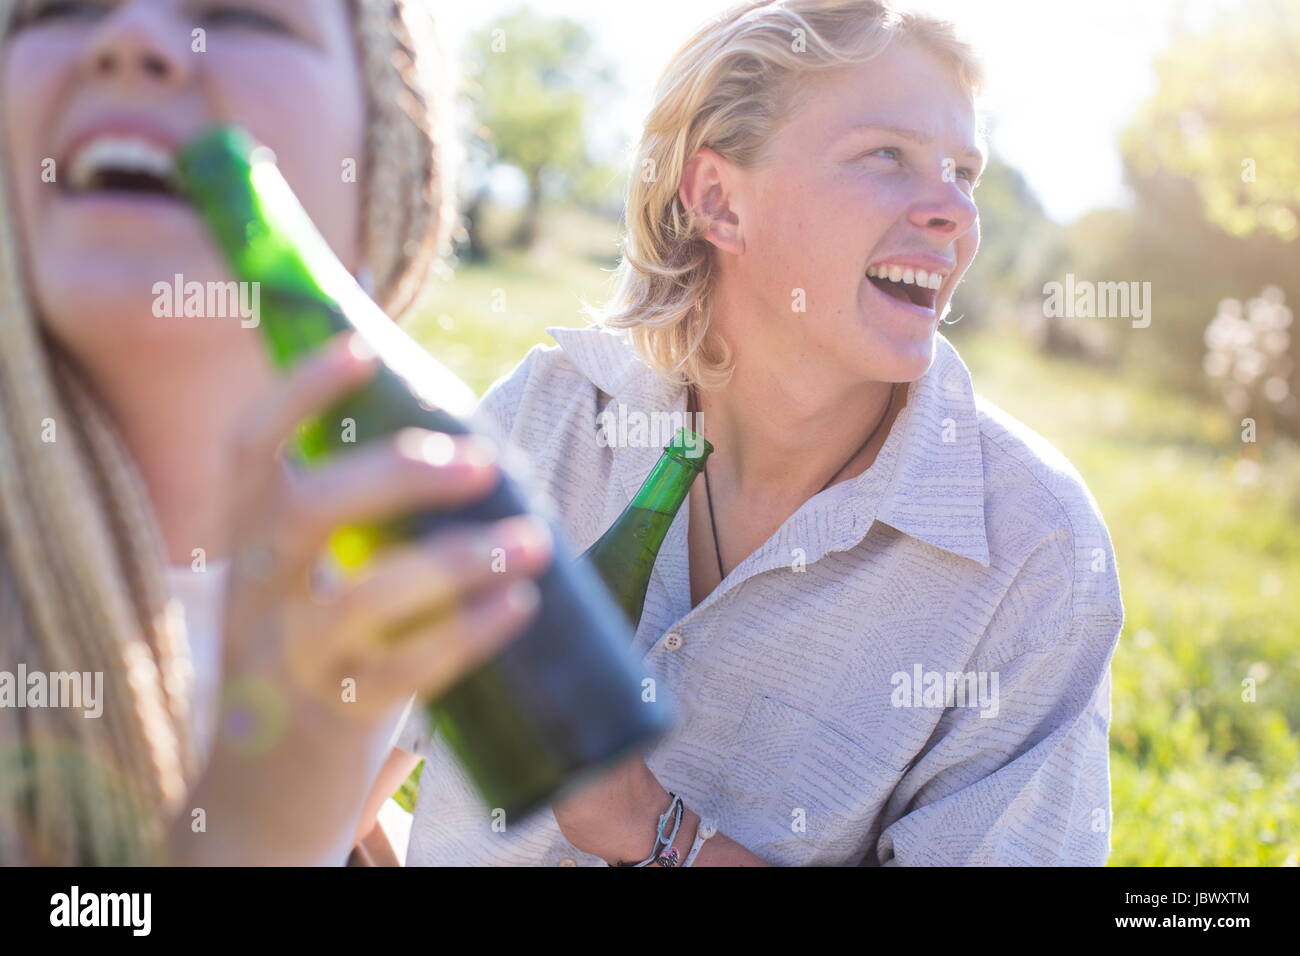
x=497 y=411
x=413 y=732
x=1026 y=781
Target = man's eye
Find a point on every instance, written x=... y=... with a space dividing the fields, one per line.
x=229 y=15
x=897 y=153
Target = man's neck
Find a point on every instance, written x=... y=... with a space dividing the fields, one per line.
x=784 y=429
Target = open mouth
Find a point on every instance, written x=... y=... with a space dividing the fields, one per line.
x=913 y=286
x=129 y=181
x=123 y=165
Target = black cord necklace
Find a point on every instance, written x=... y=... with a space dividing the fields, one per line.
x=694 y=406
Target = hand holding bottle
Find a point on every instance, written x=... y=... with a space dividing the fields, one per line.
x=565 y=699
x=315 y=636
x=314 y=670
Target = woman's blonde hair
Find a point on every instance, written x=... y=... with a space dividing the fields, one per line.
x=82 y=586
x=730 y=88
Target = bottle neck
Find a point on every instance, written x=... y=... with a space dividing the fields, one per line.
x=667 y=485
x=268 y=239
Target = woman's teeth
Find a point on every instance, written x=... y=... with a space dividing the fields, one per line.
x=122 y=162
x=908 y=276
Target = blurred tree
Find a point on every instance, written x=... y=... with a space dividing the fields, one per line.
x=1226 y=117
x=1020 y=247
x=479 y=157
x=1191 y=263
x=1213 y=159
x=531 y=80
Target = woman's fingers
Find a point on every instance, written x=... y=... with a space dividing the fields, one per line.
x=257 y=473
x=312 y=386
x=291 y=520
x=385 y=478
x=422 y=613
x=415 y=584
x=431 y=660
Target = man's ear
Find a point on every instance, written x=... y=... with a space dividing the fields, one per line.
x=706 y=191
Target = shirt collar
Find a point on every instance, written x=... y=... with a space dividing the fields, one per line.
x=927 y=481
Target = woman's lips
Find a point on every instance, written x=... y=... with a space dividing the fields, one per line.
x=127 y=219
x=111 y=199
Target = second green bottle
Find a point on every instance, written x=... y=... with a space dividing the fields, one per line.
x=625 y=554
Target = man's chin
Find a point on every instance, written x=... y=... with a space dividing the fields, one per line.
x=904 y=361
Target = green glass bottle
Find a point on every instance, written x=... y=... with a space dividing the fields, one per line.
x=564 y=698
x=625 y=554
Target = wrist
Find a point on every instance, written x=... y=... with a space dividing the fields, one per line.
x=268 y=743
x=633 y=837
x=685 y=836
x=640 y=832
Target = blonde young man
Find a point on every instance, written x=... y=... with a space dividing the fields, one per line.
x=887 y=613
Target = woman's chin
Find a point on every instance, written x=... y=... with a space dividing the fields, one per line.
x=118 y=280
x=125 y=321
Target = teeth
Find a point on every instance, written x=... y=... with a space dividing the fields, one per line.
x=917 y=277
x=126 y=153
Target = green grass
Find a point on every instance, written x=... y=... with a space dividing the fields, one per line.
x=1207 y=539
x=482 y=322
x=410 y=789
x=1207 y=542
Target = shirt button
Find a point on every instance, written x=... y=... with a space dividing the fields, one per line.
x=568 y=861
x=673 y=641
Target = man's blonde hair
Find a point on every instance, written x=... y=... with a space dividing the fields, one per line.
x=730 y=88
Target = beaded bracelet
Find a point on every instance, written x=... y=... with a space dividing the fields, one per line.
x=664 y=853
x=705 y=830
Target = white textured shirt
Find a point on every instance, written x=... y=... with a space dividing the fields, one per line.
x=912 y=670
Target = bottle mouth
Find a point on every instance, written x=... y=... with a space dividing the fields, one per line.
x=689 y=448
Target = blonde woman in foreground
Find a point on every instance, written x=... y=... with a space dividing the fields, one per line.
x=887 y=613
x=144 y=507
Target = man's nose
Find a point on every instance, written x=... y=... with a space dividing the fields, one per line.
x=945 y=208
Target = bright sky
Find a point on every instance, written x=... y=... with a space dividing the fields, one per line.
x=1064 y=77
